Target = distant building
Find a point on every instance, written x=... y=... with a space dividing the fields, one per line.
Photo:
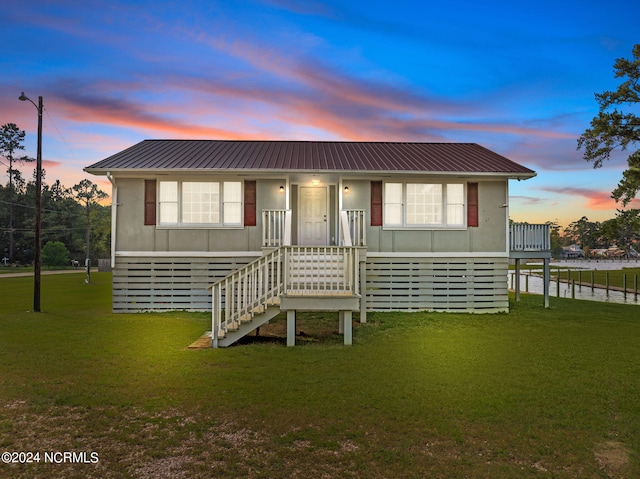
x=572 y=252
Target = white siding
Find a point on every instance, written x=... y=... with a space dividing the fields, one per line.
x=415 y=283
x=144 y=283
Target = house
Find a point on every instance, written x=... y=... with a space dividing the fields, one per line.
x=247 y=229
x=572 y=252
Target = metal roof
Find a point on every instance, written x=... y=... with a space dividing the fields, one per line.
x=309 y=156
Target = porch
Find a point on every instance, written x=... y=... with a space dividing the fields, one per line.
x=293 y=278
x=289 y=279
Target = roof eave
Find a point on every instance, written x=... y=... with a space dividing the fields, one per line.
x=164 y=172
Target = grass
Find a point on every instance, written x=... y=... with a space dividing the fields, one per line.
x=531 y=394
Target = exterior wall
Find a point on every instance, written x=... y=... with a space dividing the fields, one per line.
x=489 y=237
x=159 y=268
x=132 y=235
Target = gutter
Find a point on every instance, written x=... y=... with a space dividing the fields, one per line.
x=114 y=217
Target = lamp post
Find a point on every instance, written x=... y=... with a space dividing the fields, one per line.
x=36 y=255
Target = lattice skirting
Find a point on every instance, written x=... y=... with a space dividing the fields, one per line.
x=143 y=283
x=440 y=284
x=168 y=283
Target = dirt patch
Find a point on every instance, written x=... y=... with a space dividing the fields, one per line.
x=612 y=456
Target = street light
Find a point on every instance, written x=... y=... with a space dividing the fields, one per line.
x=36 y=255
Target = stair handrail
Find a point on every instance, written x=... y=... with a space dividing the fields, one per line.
x=246 y=291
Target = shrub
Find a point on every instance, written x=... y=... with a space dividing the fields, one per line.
x=55 y=253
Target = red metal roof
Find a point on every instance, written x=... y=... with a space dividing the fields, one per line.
x=312 y=156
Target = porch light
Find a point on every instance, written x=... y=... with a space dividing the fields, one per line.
x=346 y=190
x=315 y=182
x=281 y=189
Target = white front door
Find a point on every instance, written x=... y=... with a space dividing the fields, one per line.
x=313 y=216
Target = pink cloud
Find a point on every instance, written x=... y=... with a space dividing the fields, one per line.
x=595 y=199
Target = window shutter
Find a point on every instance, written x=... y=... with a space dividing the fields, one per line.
x=472 y=204
x=250 y=203
x=150 y=202
x=376 y=203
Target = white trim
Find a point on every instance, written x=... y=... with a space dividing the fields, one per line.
x=203 y=226
x=277 y=173
x=287 y=192
x=497 y=254
x=506 y=218
x=180 y=204
x=188 y=254
x=226 y=254
x=114 y=217
x=444 y=203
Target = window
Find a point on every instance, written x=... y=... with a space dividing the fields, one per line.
x=168 y=202
x=200 y=203
x=424 y=204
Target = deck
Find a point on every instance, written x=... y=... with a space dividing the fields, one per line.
x=531 y=242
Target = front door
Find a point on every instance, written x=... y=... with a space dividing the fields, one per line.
x=313 y=216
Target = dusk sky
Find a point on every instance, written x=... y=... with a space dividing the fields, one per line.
x=516 y=77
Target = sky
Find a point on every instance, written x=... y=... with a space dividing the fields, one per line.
x=516 y=77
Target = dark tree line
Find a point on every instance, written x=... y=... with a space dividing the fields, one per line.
x=65 y=212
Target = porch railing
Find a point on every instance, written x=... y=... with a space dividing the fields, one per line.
x=294 y=270
x=276 y=228
x=321 y=270
x=526 y=237
x=353 y=228
x=246 y=292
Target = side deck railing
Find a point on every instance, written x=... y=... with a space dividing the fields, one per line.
x=353 y=228
x=526 y=237
x=276 y=228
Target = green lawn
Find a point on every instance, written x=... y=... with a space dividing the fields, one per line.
x=531 y=394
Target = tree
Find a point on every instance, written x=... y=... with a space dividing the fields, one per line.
x=613 y=129
x=55 y=253
x=11 y=138
x=88 y=194
x=556 y=239
x=583 y=232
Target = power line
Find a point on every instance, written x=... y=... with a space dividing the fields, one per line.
x=59 y=133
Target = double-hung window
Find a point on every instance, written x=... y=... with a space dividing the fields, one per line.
x=424 y=205
x=200 y=203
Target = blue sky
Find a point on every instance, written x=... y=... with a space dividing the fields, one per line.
x=516 y=77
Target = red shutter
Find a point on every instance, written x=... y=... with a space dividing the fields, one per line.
x=472 y=204
x=149 y=202
x=376 y=203
x=250 y=203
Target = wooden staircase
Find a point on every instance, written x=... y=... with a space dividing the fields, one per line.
x=307 y=278
x=239 y=329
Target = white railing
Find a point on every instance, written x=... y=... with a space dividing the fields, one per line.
x=276 y=228
x=321 y=270
x=525 y=237
x=295 y=270
x=245 y=293
x=353 y=229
